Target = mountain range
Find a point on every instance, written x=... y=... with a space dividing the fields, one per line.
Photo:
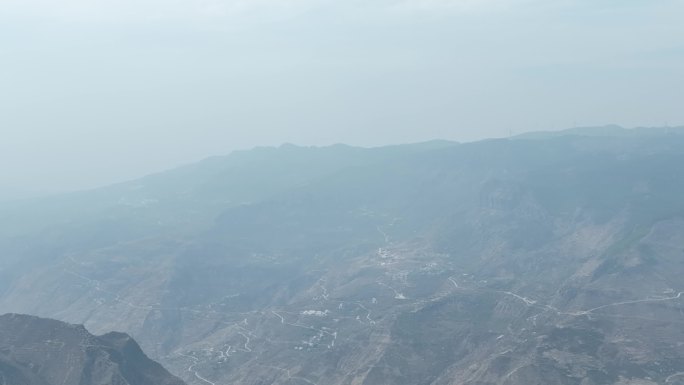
x=548 y=258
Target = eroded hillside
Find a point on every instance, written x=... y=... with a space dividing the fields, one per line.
x=542 y=260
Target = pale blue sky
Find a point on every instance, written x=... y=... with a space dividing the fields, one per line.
x=93 y=92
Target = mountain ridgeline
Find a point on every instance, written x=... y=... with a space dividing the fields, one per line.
x=37 y=351
x=549 y=258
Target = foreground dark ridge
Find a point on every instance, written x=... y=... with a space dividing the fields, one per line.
x=39 y=351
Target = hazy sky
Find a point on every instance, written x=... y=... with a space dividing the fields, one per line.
x=96 y=91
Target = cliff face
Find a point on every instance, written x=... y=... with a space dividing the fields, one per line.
x=39 y=351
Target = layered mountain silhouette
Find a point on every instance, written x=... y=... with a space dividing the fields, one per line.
x=550 y=258
x=38 y=351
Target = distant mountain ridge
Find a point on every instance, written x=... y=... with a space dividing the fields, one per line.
x=607 y=130
x=38 y=351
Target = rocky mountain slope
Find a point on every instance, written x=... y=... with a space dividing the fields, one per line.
x=546 y=259
x=38 y=351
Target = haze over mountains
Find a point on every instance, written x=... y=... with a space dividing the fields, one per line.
x=548 y=258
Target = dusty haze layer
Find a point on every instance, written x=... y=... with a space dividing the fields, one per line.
x=96 y=92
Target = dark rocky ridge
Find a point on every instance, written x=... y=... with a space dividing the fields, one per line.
x=39 y=351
